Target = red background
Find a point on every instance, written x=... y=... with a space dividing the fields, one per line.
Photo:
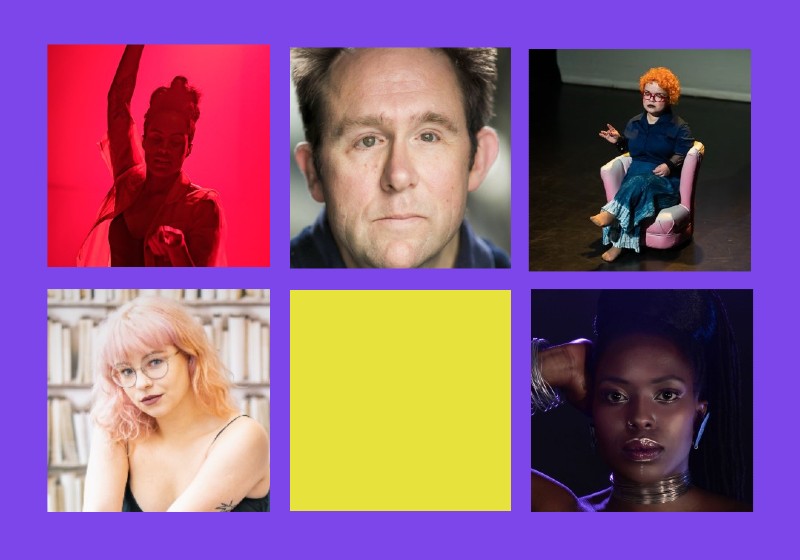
x=231 y=144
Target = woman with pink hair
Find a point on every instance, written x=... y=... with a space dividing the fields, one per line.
x=167 y=435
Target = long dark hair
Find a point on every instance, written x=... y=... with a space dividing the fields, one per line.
x=696 y=321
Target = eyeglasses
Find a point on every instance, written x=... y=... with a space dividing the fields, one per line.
x=155 y=367
x=660 y=97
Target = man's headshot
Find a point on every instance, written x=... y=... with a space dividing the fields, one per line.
x=395 y=141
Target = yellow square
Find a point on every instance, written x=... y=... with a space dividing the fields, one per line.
x=400 y=400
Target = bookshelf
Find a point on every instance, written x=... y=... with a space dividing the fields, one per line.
x=236 y=321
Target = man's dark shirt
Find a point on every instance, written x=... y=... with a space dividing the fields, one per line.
x=315 y=247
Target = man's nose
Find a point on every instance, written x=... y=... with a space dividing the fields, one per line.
x=399 y=171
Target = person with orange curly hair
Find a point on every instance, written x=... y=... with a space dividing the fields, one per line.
x=153 y=215
x=658 y=142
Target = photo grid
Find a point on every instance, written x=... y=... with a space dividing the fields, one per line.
x=183 y=281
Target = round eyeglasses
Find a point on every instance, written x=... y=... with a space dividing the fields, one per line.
x=154 y=367
x=660 y=97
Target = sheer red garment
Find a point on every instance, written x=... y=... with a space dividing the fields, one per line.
x=194 y=210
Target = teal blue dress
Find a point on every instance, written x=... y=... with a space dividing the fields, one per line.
x=643 y=195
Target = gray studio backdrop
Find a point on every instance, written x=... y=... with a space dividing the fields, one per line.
x=718 y=74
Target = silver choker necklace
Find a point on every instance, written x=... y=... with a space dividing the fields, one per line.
x=659 y=492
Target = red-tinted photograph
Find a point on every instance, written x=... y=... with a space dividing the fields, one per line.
x=158 y=155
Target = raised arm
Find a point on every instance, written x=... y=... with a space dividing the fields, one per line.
x=557 y=373
x=563 y=368
x=121 y=129
x=106 y=474
x=237 y=464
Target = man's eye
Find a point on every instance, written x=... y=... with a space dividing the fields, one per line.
x=615 y=397
x=367 y=142
x=429 y=137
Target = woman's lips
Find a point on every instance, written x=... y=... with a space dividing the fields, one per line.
x=151 y=400
x=642 y=450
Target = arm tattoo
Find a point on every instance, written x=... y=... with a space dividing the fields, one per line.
x=225 y=507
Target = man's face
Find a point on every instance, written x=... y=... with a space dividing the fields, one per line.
x=394 y=158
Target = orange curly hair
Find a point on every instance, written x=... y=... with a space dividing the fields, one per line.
x=665 y=79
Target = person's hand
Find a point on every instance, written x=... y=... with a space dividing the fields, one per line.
x=165 y=240
x=564 y=367
x=610 y=134
x=662 y=170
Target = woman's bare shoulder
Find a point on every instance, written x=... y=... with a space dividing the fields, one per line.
x=242 y=432
x=550 y=495
x=597 y=501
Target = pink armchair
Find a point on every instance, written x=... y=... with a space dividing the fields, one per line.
x=673 y=225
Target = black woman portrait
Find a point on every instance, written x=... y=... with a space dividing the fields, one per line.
x=654 y=413
x=154 y=214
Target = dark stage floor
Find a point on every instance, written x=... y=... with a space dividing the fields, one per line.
x=565 y=160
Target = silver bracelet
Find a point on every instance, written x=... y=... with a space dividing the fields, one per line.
x=543 y=396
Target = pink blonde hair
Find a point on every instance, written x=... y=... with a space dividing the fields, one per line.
x=137 y=328
x=665 y=79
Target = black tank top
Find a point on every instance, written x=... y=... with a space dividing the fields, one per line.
x=129 y=503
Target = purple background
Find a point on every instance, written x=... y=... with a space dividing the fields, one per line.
x=26 y=31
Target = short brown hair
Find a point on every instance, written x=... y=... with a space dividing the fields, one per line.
x=475 y=68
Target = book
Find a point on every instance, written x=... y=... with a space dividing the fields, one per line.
x=80 y=421
x=66 y=354
x=254 y=350
x=208 y=294
x=237 y=347
x=265 y=355
x=55 y=362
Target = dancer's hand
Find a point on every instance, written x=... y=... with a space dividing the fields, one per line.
x=165 y=240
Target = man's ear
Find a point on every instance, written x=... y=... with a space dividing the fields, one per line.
x=305 y=161
x=488 y=148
